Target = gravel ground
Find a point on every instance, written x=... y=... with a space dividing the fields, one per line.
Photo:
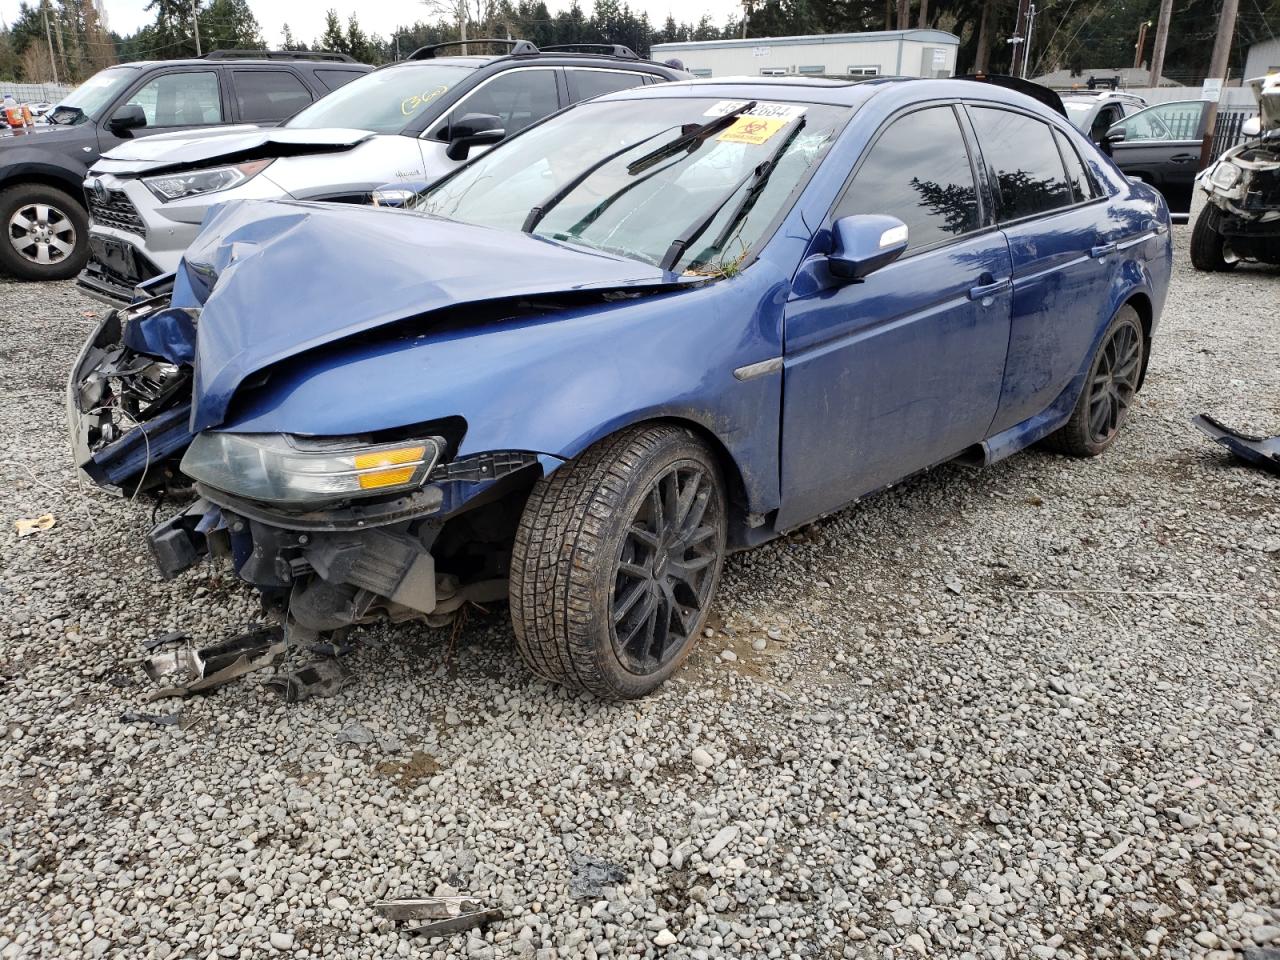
x=1028 y=711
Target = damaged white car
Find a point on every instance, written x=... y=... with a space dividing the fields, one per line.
x=1239 y=218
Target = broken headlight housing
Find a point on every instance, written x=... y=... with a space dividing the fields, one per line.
x=193 y=183
x=1225 y=175
x=297 y=471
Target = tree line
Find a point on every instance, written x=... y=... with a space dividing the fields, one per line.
x=1076 y=34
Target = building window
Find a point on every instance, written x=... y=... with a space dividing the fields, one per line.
x=773 y=71
x=818 y=69
x=703 y=72
x=864 y=71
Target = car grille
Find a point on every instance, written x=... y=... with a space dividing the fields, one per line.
x=113 y=208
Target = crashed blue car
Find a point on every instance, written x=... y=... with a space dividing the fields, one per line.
x=659 y=326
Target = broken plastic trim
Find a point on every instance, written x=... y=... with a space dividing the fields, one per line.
x=1257 y=451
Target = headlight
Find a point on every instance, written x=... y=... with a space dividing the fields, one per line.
x=1225 y=175
x=192 y=183
x=296 y=470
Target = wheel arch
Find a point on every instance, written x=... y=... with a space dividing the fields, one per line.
x=1142 y=305
x=15 y=175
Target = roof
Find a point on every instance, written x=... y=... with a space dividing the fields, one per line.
x=874 y=36
x=1129 y=77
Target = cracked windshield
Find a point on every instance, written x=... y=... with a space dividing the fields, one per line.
x=688 y=184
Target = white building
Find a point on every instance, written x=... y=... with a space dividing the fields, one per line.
x=901 y=53
x=1263 y=58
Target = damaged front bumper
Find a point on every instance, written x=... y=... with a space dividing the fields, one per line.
x=421 y=555
x=129 y=398
x=1242 y=190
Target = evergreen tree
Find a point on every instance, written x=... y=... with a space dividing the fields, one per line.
x=333 y=39
x=230 y=25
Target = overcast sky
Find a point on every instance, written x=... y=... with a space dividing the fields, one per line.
x=306 y=17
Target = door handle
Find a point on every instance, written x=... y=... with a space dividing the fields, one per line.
x=984 y=290
x=1183 y=158
x=1102 y=250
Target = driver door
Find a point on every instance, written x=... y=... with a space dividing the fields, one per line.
x=902 y=370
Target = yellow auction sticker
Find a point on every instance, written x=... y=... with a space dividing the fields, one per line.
x=752 y=130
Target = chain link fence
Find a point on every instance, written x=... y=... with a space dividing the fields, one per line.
x=35 y=92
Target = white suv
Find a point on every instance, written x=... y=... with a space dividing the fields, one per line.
x=412 y=121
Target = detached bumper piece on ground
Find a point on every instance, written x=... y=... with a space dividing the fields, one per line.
x=441 y=915
x=1255 y=450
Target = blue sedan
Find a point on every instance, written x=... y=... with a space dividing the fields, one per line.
x=659 y=326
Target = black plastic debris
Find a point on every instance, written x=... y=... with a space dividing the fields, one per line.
x=589 y=876
x=1255 y=450
x=444 y=915
x=324 y=678
x=159 y=719
x=214 y=665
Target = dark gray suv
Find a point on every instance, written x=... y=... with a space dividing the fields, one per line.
x=42 y=167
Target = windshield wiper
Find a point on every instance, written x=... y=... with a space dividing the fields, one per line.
x=691 y=140
x=754 y=181
x=536 y=213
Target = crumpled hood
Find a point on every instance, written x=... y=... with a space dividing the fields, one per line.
x=279 y=278
x=1267 y=90
x=185 y=148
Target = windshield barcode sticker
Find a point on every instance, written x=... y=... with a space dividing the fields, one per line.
x=781 y=111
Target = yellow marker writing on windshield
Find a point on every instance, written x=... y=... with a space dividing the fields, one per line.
x=409 y=104
x=752 y=129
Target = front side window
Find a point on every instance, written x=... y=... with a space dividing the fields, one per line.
x=517 y=98
x=269 y=94
x=385 y=101
x=333 y=79
x=630 y=178
x=1026 y=168
x=1167 y=121
x=585 y=84
x=180 y=100
x=918 y=171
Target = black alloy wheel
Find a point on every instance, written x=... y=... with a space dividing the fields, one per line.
x=1114 y=382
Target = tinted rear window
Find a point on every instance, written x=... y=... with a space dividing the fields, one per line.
x=585 y=84
x=269 y=94
x=333 y=79
x=1024 y=162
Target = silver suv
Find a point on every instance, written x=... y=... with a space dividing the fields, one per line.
x=410 y=122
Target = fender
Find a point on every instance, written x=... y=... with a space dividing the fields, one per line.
x=541 y=383
x=18 y=170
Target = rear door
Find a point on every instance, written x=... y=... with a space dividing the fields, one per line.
x=1162 y=147
x=902 y=370
x=265 y=96
x=1061 y=248
x=587 y=82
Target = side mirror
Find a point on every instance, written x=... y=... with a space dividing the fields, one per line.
x=399 y=194
x=128 y=117
x=1251 y=127
x=473 y=130
x=863 y=243
x=1113 y=136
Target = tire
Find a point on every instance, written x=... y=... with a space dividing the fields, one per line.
x=1209 y=250
x=46 y=233
x=591 y=581
x=1114 y=374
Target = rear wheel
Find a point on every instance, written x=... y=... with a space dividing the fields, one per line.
x=616 y=561
x=1209 y=248
x=46 y=233
x=1108 y=391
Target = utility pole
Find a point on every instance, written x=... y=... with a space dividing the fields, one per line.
x=1142 y=42
x=195 y=22
x=1026 y=42
x=1162 y=39
x=1218 y=71
x=48 y=35
x=746 y=15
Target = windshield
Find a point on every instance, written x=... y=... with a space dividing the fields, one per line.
x=384 y=101
x=1078 y=111
x=639 y=198
x=90 y=97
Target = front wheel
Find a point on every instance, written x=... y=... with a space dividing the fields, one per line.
x=1209 y=249
x=1108 y=390
x=46 y=233
x=616 y=561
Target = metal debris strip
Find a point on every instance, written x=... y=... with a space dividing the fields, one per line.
x=444 y=915
x=159 y=719
x=588 y=877
x=1253 y=449
x=214 y=665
